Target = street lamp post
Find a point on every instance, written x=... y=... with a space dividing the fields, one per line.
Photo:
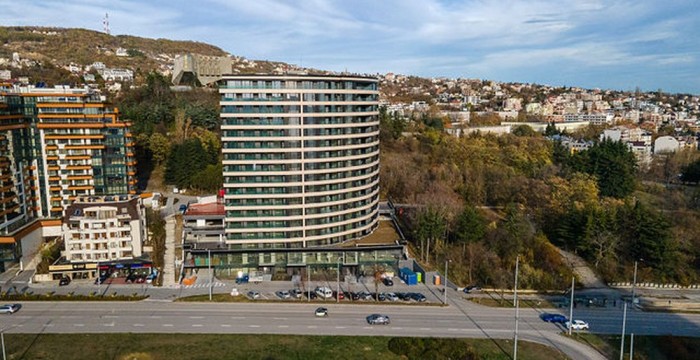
x=571 y=306
x=517 y=309
x=337 y=294
x=211 y=277
x=622 y=339
x=634 y=282
x=2 y=339
x=445 y=282
x=308 y=283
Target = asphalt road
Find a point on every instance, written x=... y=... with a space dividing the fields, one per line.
x=267 y=318
x=462 y=319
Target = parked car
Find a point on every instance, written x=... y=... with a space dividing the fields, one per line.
x=253 y=294
x=64 y=281
x=284 y=294
x=577 y=325
x=391 y=297
x=366 y=296
x=554 y=318
x=310 y=294
x=324 y=292
x=296 y=293
x=388 y=282
x=10 y=308
x=321 y=312
x=378 y=319
x=418 y=297
x=340 y=295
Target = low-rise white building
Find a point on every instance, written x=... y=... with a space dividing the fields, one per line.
x=104 y=229
x=666 y=144
x=117 y=75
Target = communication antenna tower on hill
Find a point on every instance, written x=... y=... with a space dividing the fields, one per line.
x=105 y=23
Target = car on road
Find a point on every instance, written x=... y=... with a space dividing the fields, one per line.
x=254 y=294
x=471 y=288
x=378 y=319
x=64 y=281
x=577 y=325
x=321 y=312
x=554 y=318
x=283 y=294
x=9 y=308
x=388 y=282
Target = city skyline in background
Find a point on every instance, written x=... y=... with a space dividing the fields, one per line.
x=593 y=44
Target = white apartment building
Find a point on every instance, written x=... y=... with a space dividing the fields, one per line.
x=104 y=229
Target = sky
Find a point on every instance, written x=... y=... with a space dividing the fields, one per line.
x=607 y=44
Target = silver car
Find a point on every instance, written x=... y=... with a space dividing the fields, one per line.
x=9 y=308
x=378 y=319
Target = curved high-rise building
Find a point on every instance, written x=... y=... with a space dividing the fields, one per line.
x=300 y=159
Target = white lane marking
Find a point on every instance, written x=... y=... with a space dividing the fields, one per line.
x=237 y=317
x=254 y=326
x=168 y=325
x=398 y=328
x=340 y=327
x=280 y=318
x=283 y=326
x=109 y=325
x=138 y=325
x=196 y=317
x=197 y=325
x=424 y=329
x=79 y=325
x=225 y=325
x=156 y=317
x=110 y=317
x=367 y=327
x=312 y=326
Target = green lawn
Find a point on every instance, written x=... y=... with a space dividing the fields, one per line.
x=645 y=347
x=264 y=347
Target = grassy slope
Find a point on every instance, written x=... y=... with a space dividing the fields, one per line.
x=190 y=346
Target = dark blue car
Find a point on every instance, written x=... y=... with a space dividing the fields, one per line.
x=554 y=318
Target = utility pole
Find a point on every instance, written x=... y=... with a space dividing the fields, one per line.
x=631 y=346
x=211 y=277
x=2 y=339
x=622 y=339
x=308 y=283
x=337 y=294
x=445 y=282
x=517 y=309
x=571 y=306
x=634 y=282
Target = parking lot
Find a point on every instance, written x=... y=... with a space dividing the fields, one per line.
x=324 y=291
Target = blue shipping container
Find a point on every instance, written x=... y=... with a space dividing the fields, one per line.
x=408 y=276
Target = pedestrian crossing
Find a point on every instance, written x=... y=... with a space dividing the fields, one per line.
x=204 y=285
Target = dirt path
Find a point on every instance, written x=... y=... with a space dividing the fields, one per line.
x=584 y=273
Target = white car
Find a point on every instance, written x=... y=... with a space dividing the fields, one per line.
x=9 y=308
x=324 y=292
x=391 y=296
x=284 y=294
x=321 y=312
x=577 y=325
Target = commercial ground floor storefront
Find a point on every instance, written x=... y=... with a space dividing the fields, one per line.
x=115 y=269
x=285 y=263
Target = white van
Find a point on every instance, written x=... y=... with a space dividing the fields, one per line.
x=324 y=292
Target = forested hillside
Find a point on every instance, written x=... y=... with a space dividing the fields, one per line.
x=483 y=200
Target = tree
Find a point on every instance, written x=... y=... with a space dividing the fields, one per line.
x=430 y=227
x=524 y=130
x=551 y=130
x=614 y=165
x=691 y=173
x=470 y=228
x=159 y=146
